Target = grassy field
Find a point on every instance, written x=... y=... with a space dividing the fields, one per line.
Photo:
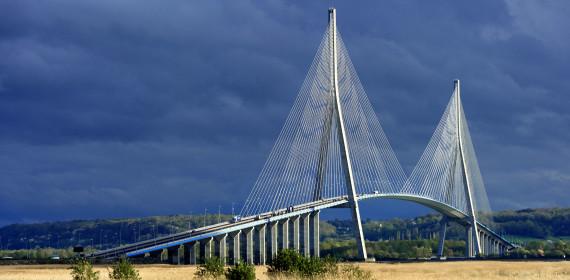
x=490 y=270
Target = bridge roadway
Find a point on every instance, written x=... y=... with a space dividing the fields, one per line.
x=174 y=240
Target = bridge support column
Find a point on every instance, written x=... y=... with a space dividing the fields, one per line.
x=305 y=245
x=442 y=232
x=262 y=247
x=164 y=255
x=172 y=255
x=190 y=253
x=180 y=255
x=489 y=246
x=481 y=245
x=468 y=241
x=285 y=234
x=482 y=242
x=207 y=248
x=273 y=233
x=249 y=245
x=493 y=245
x=315 y=234
x=222 y=248
x=296 y=243
x=485 y=244
x=236 y=248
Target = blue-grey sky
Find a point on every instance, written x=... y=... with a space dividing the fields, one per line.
x=129 y=108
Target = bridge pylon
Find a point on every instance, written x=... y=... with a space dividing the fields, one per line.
x=343 y=139
x=472 y=237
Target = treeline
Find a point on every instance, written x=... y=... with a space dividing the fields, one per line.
x=537 y=230
x=99 y=234
x=394 y=249
x=520 y=226
x=38 y=254
x=534 y=223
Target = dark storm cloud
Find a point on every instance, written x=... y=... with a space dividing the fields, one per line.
x=123 y=108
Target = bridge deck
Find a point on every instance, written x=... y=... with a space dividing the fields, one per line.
x=147 y=246
x=160 y=243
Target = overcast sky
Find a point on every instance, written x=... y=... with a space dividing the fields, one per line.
x=133 y=108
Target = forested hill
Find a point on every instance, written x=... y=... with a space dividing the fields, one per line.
x=518 y=225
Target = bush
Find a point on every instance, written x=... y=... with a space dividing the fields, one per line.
x=311 y=267
x=83 y=270
x=241 y=271
x=286 y=261
x=291 y=263
x=213 y=268
x=354 y=272
x=124 y=270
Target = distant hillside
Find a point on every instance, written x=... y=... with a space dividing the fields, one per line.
x=521 y=225
x=102 y=233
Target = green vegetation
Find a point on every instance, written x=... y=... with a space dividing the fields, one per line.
x=538 y=249
x=414 y=238
x=123 y=270
x=38 y=254
x=392 y=249
x=289 y=263
x=100 y=234
x=212 y=268
x=82 y=269
x=241 y=271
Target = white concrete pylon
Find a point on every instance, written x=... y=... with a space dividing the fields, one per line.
x=345 y=151
x=466 y=177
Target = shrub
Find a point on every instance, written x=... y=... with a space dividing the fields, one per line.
x=241 y=271
x=82 y=269
x=124 y=270
x=291 y=263
x=311 y=267
x=213 y=268
x=354 y=272
x=287 y=261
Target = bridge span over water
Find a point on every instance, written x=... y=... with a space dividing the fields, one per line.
x=333 y=153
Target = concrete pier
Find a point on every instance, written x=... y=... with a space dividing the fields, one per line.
x=305 y=233
x=442 y=233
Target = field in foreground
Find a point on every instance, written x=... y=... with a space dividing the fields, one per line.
x=434 y=270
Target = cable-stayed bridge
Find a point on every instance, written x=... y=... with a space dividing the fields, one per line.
x=332 y=152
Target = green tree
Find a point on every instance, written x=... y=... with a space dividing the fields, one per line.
x=286 y=261
x=82 y=269
x=241 y=271
x=212 y=268
x=124 y=270
x=290 y=263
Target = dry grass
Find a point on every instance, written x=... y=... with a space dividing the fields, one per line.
x=491 y=270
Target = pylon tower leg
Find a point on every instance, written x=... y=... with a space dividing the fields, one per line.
x=345 y=151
